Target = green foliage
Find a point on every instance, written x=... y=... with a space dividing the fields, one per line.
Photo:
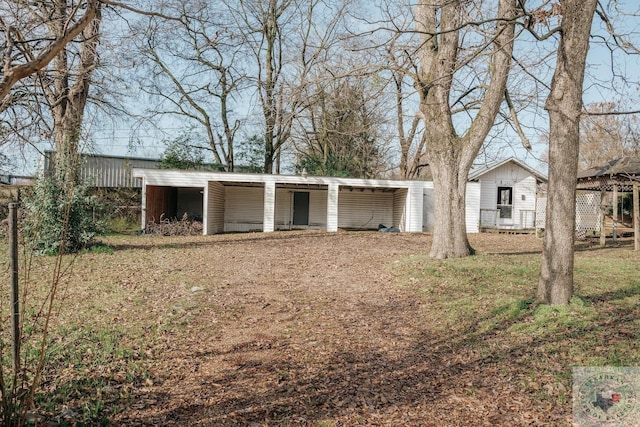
x=183 y=153
x=344 y=165
x=100 y=248
x=123 y=225
x=121 y=209
x=250 y=155
x=57 y=214
x=344 y=137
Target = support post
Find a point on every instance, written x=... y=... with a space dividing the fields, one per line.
x=269 y=216
x=603 y=233
x=636 y=218
x=614 y=230
x=15 y=307
x=332 y=208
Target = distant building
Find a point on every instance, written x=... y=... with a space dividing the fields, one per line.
x=509 y=190
x=103 y=171
x=17 y=180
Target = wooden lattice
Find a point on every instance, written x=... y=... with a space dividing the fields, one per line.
x=587 y=212
x=541 y=212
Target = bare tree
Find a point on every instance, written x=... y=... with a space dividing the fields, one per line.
x=25 y=49
x=564 y=106
x=67 y=86
x=340 y=129
x=411 y=140
x=286 y=40
x=442 y=54
x=193 y=74
x=606 y=137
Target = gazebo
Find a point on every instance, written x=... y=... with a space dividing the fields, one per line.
x=617 y=176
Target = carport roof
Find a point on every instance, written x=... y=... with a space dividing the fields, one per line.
x=621 y=173
x=174 y=177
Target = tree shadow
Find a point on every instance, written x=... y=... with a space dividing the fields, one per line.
x=470 y=375
x=219 y=240
x=618 y=294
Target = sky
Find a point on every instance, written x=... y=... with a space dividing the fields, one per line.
x=121 y=138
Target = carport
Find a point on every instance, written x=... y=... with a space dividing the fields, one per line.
x=617 y=176
x=258 y=202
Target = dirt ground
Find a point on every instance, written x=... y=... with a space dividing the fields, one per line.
x=298 y=328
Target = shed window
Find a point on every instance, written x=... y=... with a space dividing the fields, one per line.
x=505 y=202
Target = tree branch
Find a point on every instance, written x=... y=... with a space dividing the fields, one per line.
x=13 y=74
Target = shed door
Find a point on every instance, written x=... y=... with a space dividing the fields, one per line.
x=301 y=208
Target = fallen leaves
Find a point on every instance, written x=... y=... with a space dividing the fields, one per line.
x=303 y=329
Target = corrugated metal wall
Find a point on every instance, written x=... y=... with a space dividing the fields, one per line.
x=243 y=208
x=106 y=171
x=215 y=208
x=400 y=208
x=364 y=209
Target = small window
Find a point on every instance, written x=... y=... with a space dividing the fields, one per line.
x=505 y=202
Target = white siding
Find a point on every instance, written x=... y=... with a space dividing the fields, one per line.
x=332 y=208
x=215 y=208
x=269 y=208
x=472 y=206
x=143 y=210
x=415 y=207
x=284 y=208
x=317 y=208
x=333 y=202
x=400 y=209
x=243 y=208
x=364 y=209
x=523 y=196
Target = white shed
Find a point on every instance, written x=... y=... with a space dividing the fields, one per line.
x=228 y=202
x=508 y=192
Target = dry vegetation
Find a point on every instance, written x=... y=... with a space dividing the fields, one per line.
x=319 y=329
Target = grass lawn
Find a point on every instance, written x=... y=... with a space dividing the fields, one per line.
x=320 y=329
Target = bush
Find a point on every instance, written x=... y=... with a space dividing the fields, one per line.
x=55 y=213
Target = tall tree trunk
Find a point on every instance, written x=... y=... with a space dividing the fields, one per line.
x=69 y=92
x=564 y=105
x=449 y=188
x=450 y=155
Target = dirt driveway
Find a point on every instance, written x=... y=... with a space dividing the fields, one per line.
x=307 y=329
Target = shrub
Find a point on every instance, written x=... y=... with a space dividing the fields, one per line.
x=55 y=213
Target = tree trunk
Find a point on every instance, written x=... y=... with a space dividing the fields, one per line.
x=69 y=92
x=449 y=187
x=564 y=105
x=451 y=155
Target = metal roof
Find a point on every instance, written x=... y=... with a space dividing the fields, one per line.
x=619 y=174
x=628 y=166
